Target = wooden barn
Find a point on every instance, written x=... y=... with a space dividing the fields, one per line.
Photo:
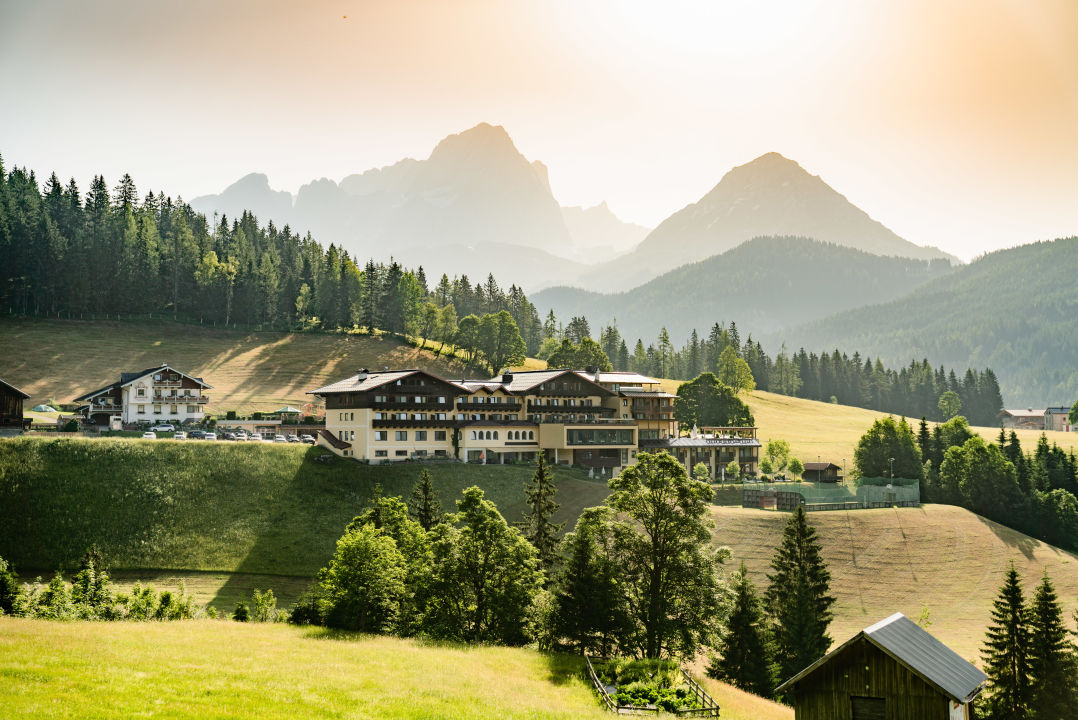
x=11 y=399
x=892 y=670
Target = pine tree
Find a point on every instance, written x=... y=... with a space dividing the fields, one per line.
x=746 y=656
x=798 y=598
x=1006 y=653
x=425 y=504
x=1051 y=658
x=540 y=530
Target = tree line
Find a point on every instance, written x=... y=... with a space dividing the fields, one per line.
x=1032 y=492
x=913 y=391
x=110 y=252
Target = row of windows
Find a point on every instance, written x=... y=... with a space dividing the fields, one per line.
x=346 y=416
x=410 y=398
x=402 y=435
x=404 y=453
x=510 y=435
x=557 y=402
x=172 y=409
x=141 y=392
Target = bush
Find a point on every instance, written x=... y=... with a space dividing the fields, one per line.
x=307 y=610
x=230 y=415
x=71 y=426
x=264 y=606
x=241 y=613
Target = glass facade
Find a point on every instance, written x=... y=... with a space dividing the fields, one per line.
x=600 y=436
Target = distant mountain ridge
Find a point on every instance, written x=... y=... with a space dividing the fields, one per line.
x=770 y=196
x=763 y=285
x=476 y=190
x=1015 y=311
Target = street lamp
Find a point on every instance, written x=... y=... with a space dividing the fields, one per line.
x=892 y=468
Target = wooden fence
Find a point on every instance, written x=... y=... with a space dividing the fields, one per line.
x=708 y=706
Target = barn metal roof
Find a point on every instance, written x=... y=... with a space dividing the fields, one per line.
x=909 y=644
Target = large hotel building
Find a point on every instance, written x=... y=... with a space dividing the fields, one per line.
x=598 y=420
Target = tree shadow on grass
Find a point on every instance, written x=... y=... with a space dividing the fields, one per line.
x=564 y=668
x=1013 y=538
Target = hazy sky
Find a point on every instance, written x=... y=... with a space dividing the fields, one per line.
x=954 y=123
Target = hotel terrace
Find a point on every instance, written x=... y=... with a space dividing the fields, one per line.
x=598 y=420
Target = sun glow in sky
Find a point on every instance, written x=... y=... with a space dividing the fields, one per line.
x=954 y=123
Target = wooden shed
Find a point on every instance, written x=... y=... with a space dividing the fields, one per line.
x=893 y=670
x=11 y=399
x=822 y=472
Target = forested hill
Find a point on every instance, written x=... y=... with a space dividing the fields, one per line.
x=765 y=284
x=1013 y=310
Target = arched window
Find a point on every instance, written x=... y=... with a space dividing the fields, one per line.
x=473 y=434
x=488 y=435
x=495 y=434
x=531 y=434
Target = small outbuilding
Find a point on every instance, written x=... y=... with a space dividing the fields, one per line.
x=822 y=472
x=893 y=670
x=11 y=399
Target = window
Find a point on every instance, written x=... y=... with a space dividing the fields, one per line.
x=192 y=409
x=157 y=409
x=379 y=416
x=142 y=409
x=531 y=434
x=140 y=392
x=473 y=435
x=380 y=453
x=419 y=416
x=351 y=416
x=421 y=435
x=380 y=434
x=173 y=410
x=402 y=398
x=624 y=403
x=441 y=399
x=400 y=435
x=379 y=398
x=495 y=434
x=439 y=416
x=439 y=453
x=401 y=453
x=420 y=453
x=419 y=399
x=439 y=435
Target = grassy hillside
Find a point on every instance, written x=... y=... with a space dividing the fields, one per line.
x=1013 y=310
x=205 y=668
x=941 y=557
x=249 y=371
x=222 y=508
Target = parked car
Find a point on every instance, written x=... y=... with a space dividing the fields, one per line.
x=257 y=437
x=181 y=435
x=293 y=438
x=164 y=427
x=149 y=435
x=239 y=435
x=228 y=436
x=280 y=438
x=306 y=439
x=196 y=434
x=209 y=436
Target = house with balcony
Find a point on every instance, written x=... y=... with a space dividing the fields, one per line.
x=11 y=406
x=154 y=395
x=715 y=447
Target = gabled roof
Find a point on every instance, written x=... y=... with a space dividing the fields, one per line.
x=820 y=466
x=99 y=391
x=364 y=381
x=1027 y=413
x=14 y=389
x=1061 y=410
x=639 y=393
x=928 y=658
x=524 y=381
x=127 y=378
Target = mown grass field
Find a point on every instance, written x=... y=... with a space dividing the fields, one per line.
x=249 y=371
x=884 y=561
x=252 y=509
x=219 y=669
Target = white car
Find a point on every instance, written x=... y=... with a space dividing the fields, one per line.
x=164 y=427
x=181 y=435
x=280 y=438
x=240 y=436
x=209 y=436
x=149 y=436
x=256 y=437
x=306 y=439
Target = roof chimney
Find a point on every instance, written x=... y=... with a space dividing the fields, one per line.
x=362 y=374
x=507 y=377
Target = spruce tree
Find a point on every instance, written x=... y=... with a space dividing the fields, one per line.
x=540 y=529
x=798 y=598
x=746 y=656
x=1051 y=657
x=425 y=504
x=1006 y=653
